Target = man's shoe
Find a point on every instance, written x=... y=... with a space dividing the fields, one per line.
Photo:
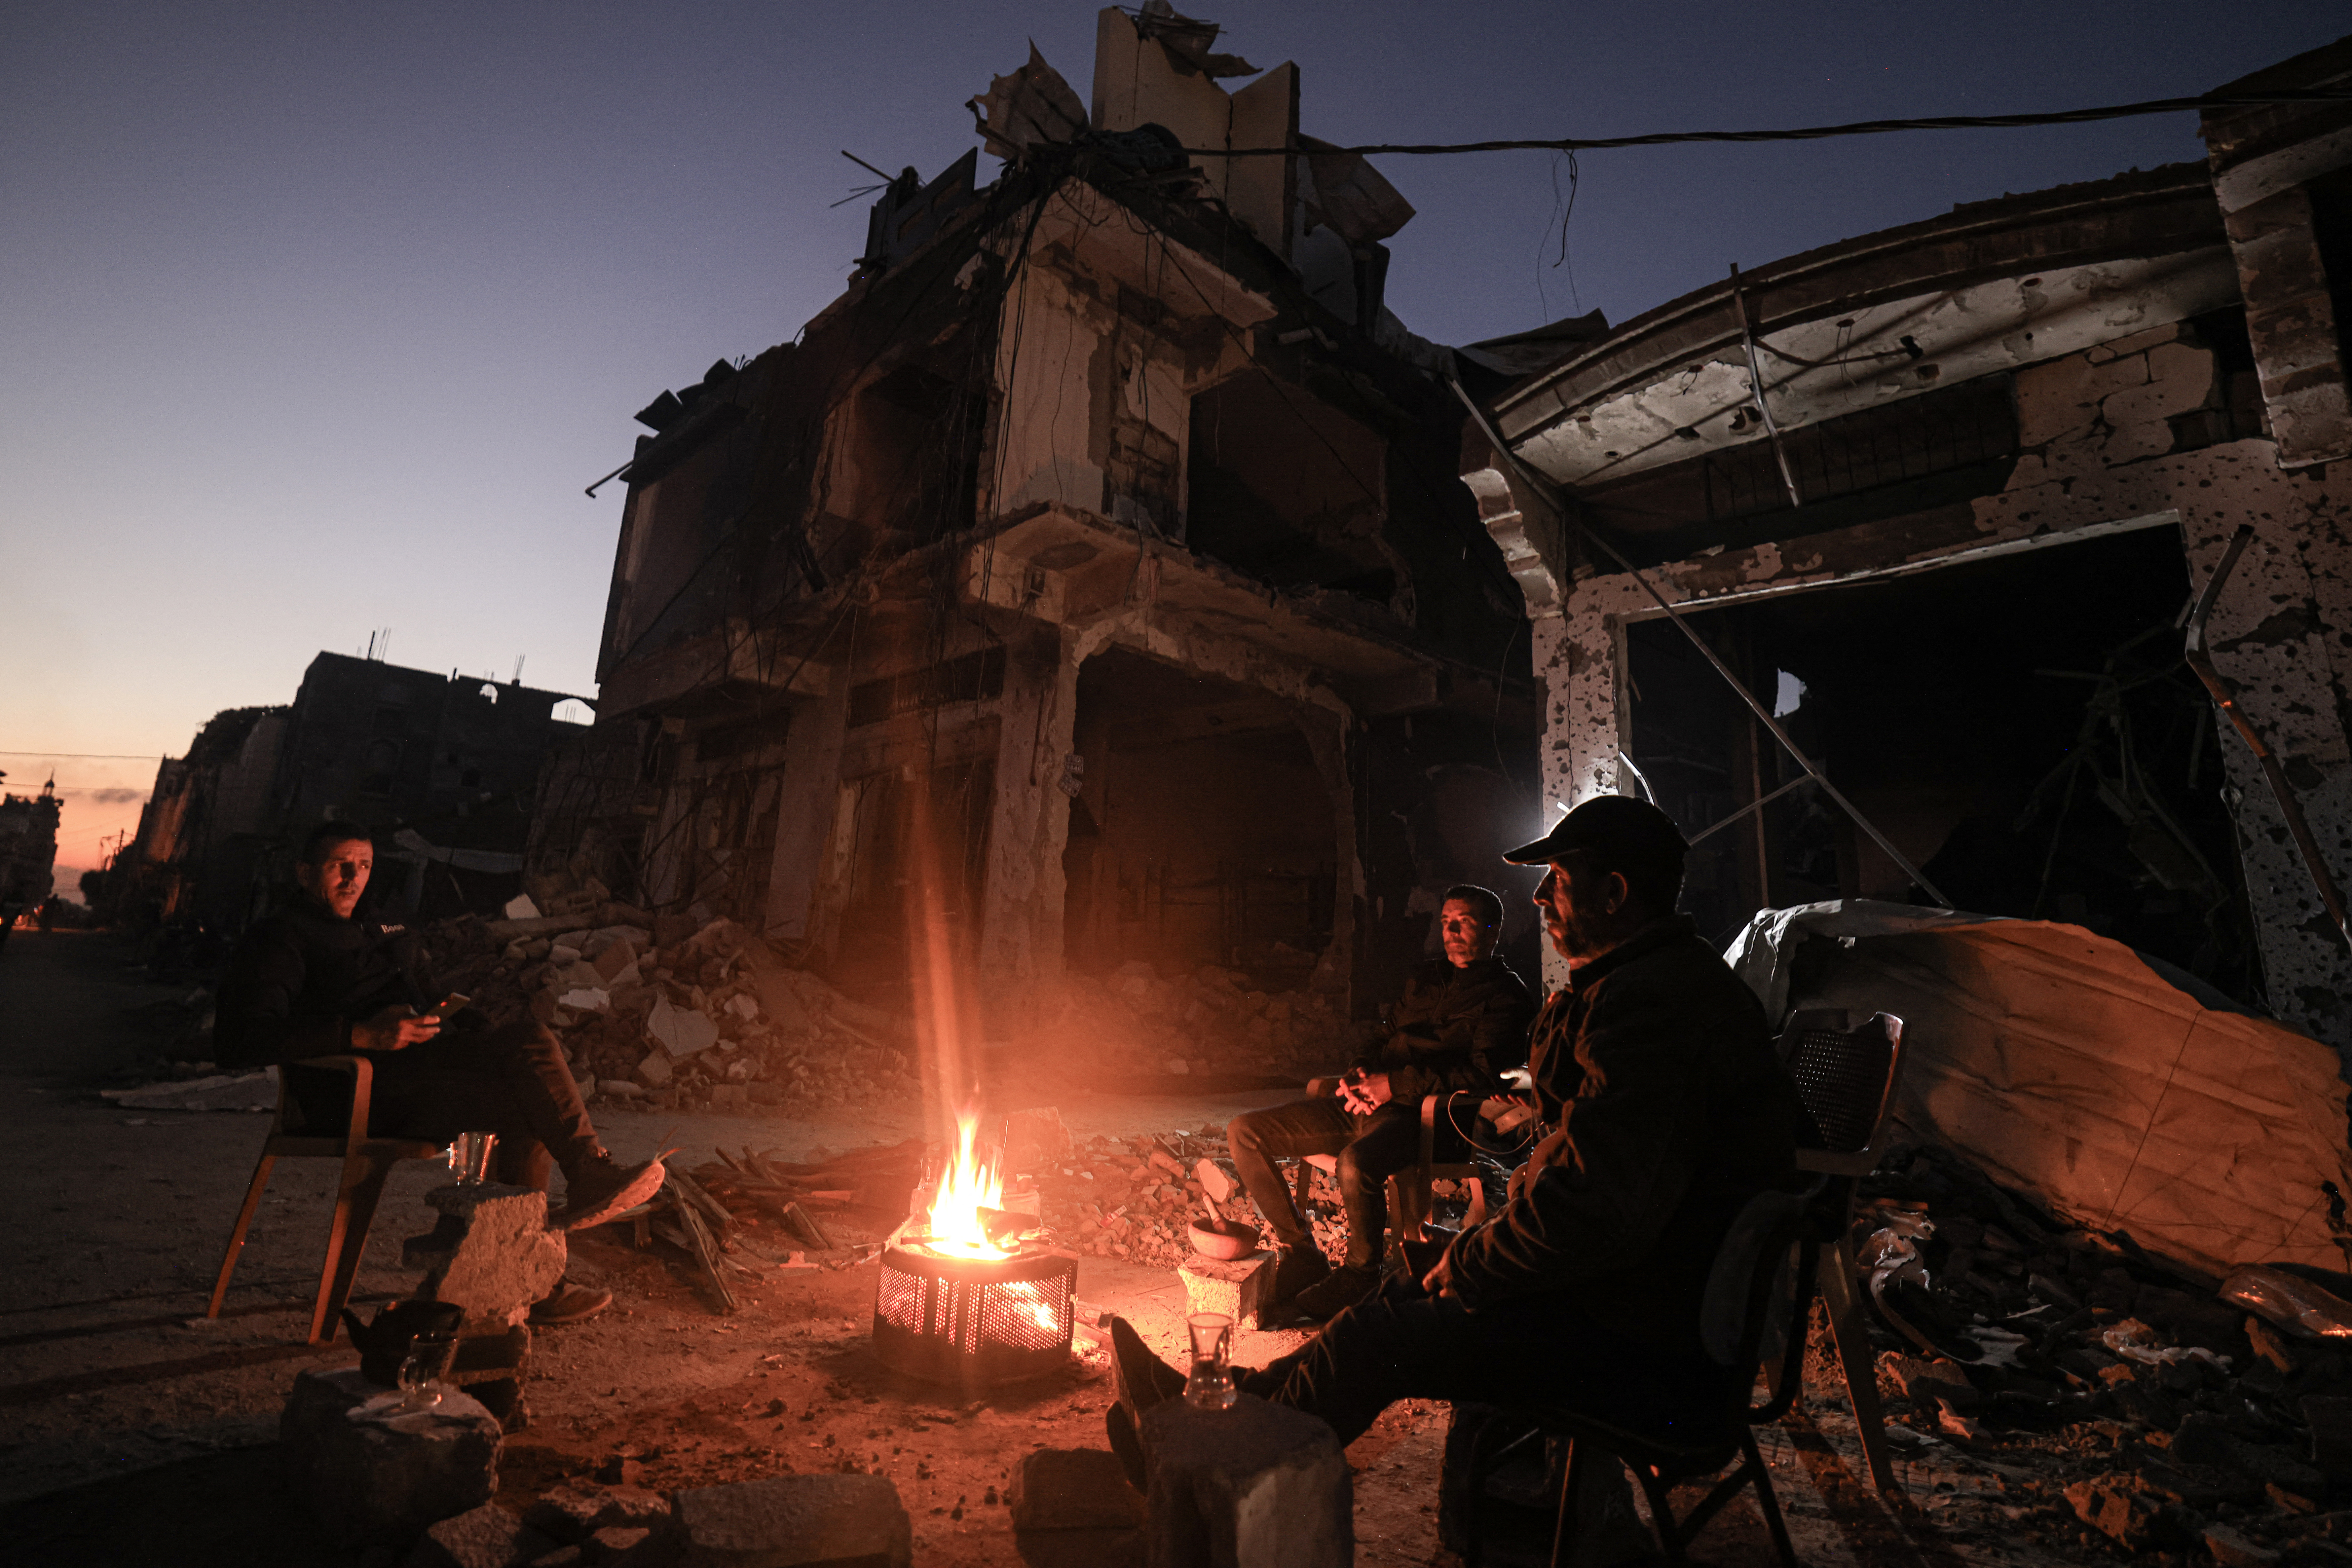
x=1139 y=1379
x=1336 y=1292
x=1295 y=1269
x=601 y=1189
x=1128 y=1444
x=568 y=1303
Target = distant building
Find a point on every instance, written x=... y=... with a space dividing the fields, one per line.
x=28 y=849
x=443 y=771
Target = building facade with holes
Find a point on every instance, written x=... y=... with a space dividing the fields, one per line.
x=1090 y=583
x=1954 y=543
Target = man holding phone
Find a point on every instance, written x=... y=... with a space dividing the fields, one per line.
x=310 y=979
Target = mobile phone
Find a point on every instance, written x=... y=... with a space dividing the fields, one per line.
x=448 y=1005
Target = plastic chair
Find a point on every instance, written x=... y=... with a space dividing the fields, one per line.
x=1847 y=1081
x=1409 y=1188
x=1758 y=1295
x=366 y=1162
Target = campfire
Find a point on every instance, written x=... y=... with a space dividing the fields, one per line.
x=964 y=1296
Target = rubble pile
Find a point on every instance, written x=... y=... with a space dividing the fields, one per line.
x=656 y=1012
x=1137 y=1021
x=1135 y=1198
x=2112 y=1402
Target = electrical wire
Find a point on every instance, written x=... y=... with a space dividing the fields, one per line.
x=1802 y=133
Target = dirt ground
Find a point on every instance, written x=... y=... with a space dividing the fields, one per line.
x=139 y=1431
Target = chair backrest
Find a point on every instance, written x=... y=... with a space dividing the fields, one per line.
x=1758 y=1295
x=1846 y=1079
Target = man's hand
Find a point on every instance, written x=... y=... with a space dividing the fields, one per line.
x=396 y=1028
x=1365 y=1092
x=1439 y=1280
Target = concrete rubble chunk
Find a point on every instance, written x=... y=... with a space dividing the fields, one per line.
x=572 y=1514
x=1256 y=1485
x=795 y=1521
x=655 y=1069
x=1074 y=1489
x=2114 y=1506
x=2232 y=1549
x=680 y=1031
x=370 y=1471
x=492 y=1253
x=1241 y=1287
x=485 y=1537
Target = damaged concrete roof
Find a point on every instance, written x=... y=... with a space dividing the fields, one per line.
x=1988 y=287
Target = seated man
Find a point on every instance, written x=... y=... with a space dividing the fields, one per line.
x=1672 y=1112
x=1463 y=1021
x=310 y=981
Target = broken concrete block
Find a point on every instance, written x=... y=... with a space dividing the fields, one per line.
x=372 y=1471
x=2114 y=1507
x=485 y=1537
x=655 y=1069
x=573 y=1513
x=627 y=1546
x=520 y=908
x=794 y=1521
x=2232 y=1549
x=680 y=1032
x=744 y=1005
x=492 y=1253
x=1255 y=1486
x=1242 y=1288
x=586 y=999
x=1074 y=1489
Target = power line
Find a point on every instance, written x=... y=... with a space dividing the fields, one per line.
x=1803 y=134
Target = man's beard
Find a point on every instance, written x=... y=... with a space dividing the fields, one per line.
x=1582 y=934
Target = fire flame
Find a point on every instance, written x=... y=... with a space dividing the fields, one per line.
x=1031 y=1303
x=966 y=1186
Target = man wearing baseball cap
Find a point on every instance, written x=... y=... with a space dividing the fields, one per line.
x=1666 y=1110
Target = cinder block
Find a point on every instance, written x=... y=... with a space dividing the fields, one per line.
x=1252 y=1485
x=794 y=1521
x=372 y=1472
x=1074 y=1489
x=1242 y=1288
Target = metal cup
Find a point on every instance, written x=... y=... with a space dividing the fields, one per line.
x=469 y=1156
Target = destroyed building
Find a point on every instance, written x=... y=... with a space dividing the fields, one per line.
x=28 y=848
x=1941 y=496
x=1092 y=577
x=442 y=770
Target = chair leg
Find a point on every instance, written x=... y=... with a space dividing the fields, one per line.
x=1766 y=1502
x=1301 y=1184
x=1571 y=1479
x=236 y=1236
x=1852 y=1340
x=355 y=1201
x=1661 y=1516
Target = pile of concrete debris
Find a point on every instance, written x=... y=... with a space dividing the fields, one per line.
x=661 y=1012
x=2107 y=1399
x=1215 y=1021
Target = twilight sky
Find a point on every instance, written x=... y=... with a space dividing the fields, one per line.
x=316 y=319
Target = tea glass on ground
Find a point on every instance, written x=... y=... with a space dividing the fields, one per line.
x=422 y=1368
x=1210 y=1385
x=469 y=1156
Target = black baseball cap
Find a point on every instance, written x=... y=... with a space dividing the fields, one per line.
x=1631 y=827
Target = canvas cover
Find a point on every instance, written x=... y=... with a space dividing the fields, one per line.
x=2119 y=1094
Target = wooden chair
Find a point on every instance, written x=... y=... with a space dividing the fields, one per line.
x=1757 y=1295
x=1847 y=1080
x=366 y=1162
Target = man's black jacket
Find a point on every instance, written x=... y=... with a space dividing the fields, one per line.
x=1455 y=1029
x=1657 y=1066
x=299 y=980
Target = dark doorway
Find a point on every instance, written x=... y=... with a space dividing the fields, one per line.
x=914 y=837
x=2023 y=728
x=1203 y=832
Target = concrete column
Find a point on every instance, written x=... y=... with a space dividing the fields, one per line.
x=1326 y=740
x=1020 y=933
x=804 y=805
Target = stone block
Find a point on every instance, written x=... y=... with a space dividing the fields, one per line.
x=1242 y=1288
x=628 y=1546
x=1255 y=1485
x=794 y=1521
x=485 y=1537
x=573 y=1513
x=371 y=1472
x=1074 y=1489
x=492 y=1254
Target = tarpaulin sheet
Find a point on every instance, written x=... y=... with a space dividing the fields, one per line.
x=2071 y=1070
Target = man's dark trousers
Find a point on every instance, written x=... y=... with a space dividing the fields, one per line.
x=1371 y=1150
x=510 y=1079
x=1531 y=1351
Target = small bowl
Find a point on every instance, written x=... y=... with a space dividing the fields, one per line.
x=1223 y=1238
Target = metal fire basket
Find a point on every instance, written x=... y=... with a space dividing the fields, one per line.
x=971 y=1320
